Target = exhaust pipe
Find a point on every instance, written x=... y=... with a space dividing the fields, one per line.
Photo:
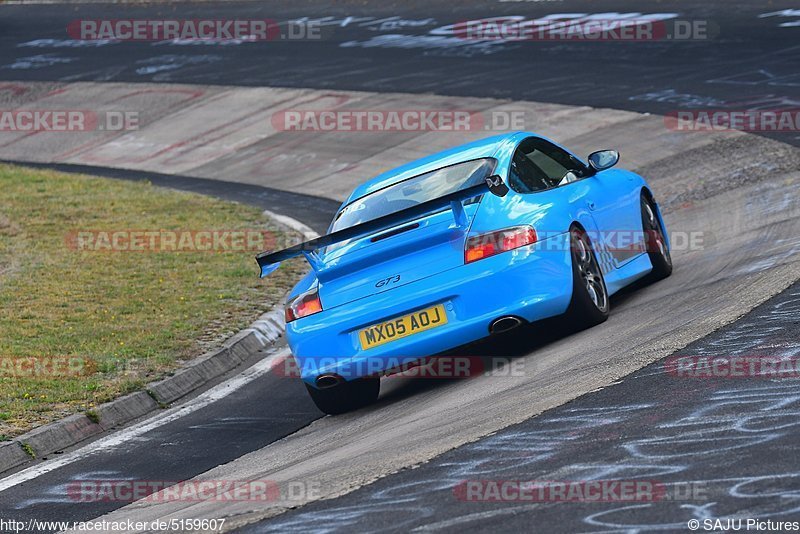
x=504 y=324
x=328 y=381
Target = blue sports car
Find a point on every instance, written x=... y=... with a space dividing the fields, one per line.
x=460 y=245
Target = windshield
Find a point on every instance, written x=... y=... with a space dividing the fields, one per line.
x=413 y=191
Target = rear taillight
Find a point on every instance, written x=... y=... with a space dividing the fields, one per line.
x=485 y=245
x=303 y=305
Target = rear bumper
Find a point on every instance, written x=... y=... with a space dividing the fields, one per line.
x=533 y=282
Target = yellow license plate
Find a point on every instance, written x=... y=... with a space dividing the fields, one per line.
x=404 y=326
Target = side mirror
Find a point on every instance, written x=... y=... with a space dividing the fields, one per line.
x=496 y=185
x=603 y=159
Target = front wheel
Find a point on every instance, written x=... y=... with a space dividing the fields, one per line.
x=346 y=396
x=655 y=242
x=589 y=305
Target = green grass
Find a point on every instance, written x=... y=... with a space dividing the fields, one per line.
x=132 y=317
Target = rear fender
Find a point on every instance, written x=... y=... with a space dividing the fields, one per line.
x=550 y=212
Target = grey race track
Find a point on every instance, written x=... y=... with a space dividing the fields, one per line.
x=749 y=59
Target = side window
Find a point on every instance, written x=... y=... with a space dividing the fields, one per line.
x=538 y=164
x=525 y=176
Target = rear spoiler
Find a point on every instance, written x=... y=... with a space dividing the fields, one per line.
x=269 y=261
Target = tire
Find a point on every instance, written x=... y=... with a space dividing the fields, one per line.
x=589 y=305
x=346 y=396
x=655 y=242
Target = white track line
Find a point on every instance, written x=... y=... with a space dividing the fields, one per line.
x=294 y=224
x=162 y=418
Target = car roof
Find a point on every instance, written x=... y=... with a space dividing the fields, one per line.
x=487 y=147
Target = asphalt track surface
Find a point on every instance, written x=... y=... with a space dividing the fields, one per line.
x=703 y=440
x=748 y=57
x=757 y=65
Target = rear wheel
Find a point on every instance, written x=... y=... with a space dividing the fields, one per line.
x=346 y=396
x=655 y=242
x=589 y=305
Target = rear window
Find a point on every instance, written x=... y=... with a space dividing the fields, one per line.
x=413 y=191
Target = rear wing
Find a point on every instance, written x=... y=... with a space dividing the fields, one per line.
x=270 y=261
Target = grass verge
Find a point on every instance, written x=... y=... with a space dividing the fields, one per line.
x=81 y=325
